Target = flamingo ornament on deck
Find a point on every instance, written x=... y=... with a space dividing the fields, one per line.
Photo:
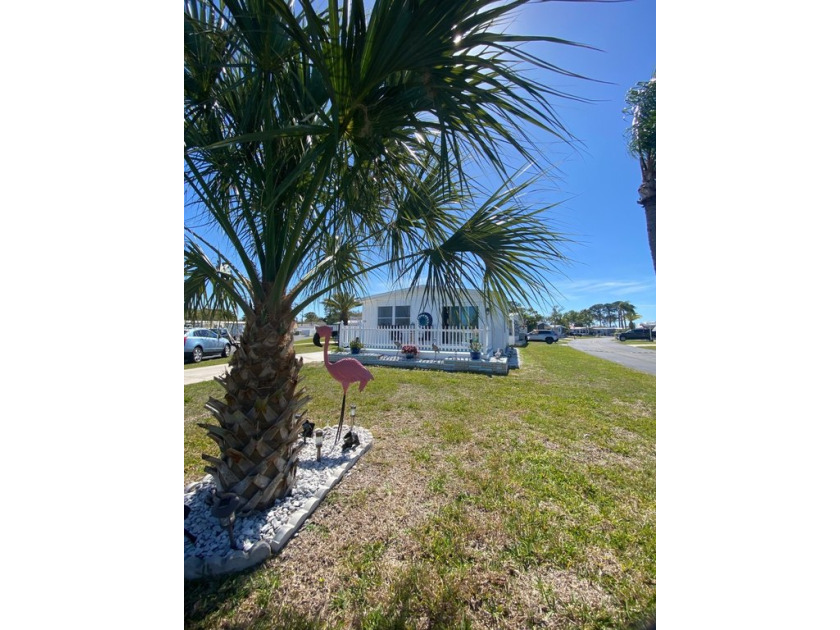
x=345 y=371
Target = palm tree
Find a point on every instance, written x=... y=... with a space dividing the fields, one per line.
x=641 y=104
x=325 y=145
x=626 y=311
x=340 y=304
x=610 y=313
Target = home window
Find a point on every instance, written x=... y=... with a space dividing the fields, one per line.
x=384 y=316
x=460 y=317
x=393 y=316
x=402 y=316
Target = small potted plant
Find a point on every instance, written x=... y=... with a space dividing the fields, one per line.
x=409 y=351
x=356 y=346
x=475 y=349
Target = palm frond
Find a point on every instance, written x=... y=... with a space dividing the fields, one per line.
x=207 y=286
x=321 y=143
x=501 y=249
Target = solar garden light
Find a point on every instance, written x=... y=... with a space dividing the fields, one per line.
x=319 y=440
x=224 y=509
x=352 y=417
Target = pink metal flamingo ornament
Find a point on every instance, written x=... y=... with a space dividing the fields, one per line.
x=345 y=371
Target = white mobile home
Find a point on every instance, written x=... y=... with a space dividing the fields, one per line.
x=401 y=316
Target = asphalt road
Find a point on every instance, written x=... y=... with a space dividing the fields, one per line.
x=612 y=349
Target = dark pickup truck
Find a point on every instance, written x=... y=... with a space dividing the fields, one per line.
x=638 y=333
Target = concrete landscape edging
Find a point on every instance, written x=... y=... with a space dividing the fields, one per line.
x=238 y=560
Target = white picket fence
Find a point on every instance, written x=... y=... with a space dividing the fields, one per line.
x=426 y=339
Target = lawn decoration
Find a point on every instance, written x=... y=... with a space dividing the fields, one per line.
x=225 y=505
x=307 y=429
x=351 y=439
x=345 y=371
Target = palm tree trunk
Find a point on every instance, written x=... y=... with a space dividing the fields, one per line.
x=647 y=199
x=261 y=414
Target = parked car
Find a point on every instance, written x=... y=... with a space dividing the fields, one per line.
x=638 y=333
x=223 y=332
x=543 y=334
x=202 y=342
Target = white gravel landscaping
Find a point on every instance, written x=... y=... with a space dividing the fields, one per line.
x=260 y=534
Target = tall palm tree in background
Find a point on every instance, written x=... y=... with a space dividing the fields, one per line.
x=625 y=311
x=341 y=304
x=641 y=104
x=611 y=313
x=323 y=144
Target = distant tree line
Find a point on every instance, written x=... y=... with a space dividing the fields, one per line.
x=619 y=314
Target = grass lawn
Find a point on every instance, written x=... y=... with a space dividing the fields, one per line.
x=520 y=501
x=306 y=345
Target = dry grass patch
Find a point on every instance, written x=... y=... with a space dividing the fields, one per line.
x=595 y=455
x=547 y=597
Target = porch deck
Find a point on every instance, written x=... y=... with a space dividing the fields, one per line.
x=428 y=361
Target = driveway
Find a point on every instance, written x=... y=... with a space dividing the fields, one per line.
x=612 y=349
x=198 y=374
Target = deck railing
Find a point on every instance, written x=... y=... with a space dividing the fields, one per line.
x=426 y=339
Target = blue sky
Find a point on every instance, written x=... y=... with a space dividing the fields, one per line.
x=609 y=257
